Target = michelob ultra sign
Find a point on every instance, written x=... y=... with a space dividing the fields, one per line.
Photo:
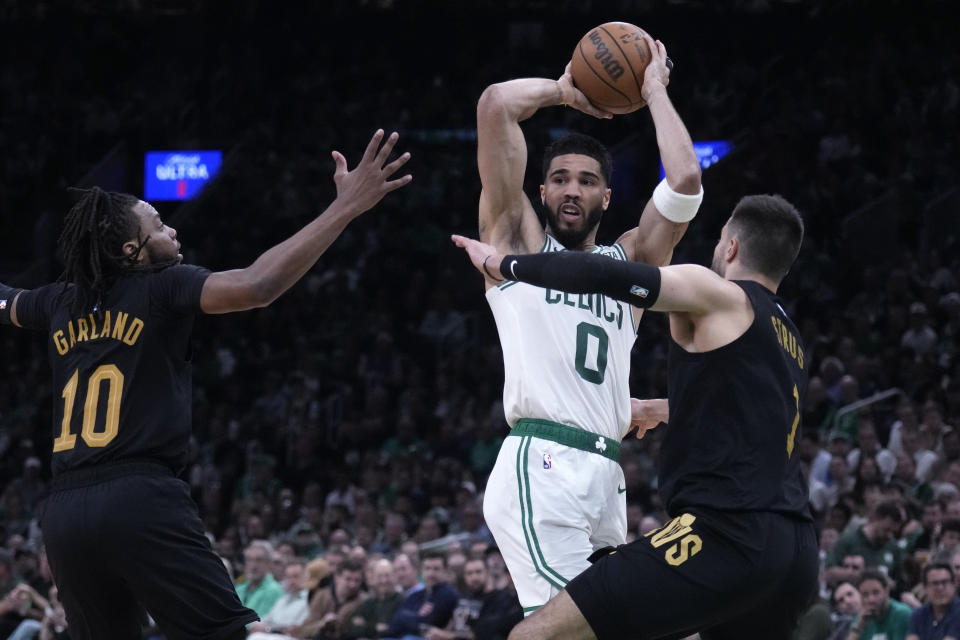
x=178 y=175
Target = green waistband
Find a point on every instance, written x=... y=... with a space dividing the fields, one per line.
x=568 y=436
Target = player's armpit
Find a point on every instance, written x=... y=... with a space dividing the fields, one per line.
x=515 y=229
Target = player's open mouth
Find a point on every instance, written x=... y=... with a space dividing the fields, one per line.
x=570 y=212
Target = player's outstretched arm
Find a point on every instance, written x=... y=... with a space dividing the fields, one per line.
x=677 y=198
x=280 y=267
x=683 y=288
x=507 y=218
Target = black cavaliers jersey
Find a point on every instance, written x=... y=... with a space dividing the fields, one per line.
x=121 y=374
x=733 y=437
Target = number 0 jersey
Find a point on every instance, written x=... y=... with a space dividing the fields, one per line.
x=121 y=375
x=733 y=440
x=566 y=356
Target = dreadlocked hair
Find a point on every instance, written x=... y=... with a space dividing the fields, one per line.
x=91 y=242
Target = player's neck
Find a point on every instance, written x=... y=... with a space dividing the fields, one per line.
x=588 y=244
x=735 y=271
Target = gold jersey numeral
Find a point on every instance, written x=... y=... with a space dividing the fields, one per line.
x=796 y=421
x=104 y=373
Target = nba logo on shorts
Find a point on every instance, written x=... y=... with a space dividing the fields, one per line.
x=547 y=461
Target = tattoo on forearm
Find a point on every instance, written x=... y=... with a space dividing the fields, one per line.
x=560 y=98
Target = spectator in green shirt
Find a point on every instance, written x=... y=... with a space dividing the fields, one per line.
x=876 y=541
x=882 y=618
x=258 y=591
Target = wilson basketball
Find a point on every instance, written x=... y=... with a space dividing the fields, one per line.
x=608 y=66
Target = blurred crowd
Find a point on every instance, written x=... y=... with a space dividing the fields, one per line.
x=343 y=436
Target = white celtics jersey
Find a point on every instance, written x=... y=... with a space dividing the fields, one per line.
x=566 y=356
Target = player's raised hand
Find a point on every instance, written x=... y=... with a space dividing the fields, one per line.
x=657 y=75
x=370 y=180
x=647 y=414
x=483 y=256
x=573 y=97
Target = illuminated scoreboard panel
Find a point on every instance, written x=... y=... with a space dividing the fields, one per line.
x=708 y=152
x=178 y=175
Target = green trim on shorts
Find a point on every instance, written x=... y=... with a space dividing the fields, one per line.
x=527 y=610
x=526 y=519
x=568 y=436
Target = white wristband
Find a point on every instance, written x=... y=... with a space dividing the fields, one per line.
x=676 y=207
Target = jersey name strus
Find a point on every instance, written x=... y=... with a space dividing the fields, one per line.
x=787 y=340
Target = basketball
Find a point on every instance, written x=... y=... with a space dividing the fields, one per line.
x=608 y=65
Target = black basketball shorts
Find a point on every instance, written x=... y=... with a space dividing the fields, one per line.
x=737 y=576
x=127 y=537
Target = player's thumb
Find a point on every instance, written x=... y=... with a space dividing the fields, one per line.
x=341 y=164
x=460 y=241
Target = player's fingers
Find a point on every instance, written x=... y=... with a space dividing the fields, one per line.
x=652 y=46
x=391 y=168
x=372 y=146
x=666 y=59
x=387 y=147
x=587 y=107
x=393 y=185
x=458 y=240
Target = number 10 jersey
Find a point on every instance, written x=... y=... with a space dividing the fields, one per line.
x=121 y=372
x=566 y=356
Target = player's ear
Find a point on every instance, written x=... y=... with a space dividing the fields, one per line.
x=129 y=249
x=733 y=248
x=543 y=195
x=606 y=199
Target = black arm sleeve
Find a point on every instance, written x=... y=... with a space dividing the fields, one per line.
x=635 y=283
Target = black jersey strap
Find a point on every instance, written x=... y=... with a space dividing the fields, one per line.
x=635 y=283
x=7 y=296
